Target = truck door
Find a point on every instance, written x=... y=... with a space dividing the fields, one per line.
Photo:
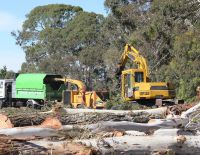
x=128 y=85
x=8 y=88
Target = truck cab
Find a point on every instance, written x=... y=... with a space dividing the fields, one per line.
x=6 y=91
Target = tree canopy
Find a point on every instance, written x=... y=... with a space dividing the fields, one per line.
x=65 y=39
x=5 y=74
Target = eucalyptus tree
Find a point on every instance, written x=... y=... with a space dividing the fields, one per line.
x=62 y=39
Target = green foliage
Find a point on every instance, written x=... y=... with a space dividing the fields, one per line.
x=117 y=103
x=186 y=63
x=43 y=37
x=64 y=39
x=167 y=34
x=5 y=74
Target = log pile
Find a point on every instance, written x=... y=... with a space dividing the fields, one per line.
x=87 y=131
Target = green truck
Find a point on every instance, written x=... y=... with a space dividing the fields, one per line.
x=32 y=89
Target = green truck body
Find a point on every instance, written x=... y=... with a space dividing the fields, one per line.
x=39 y=87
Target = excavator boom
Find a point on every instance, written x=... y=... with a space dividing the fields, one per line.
x=134 y=55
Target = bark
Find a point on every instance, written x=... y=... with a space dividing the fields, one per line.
x=88 y=116
x=7 y=146
x=12 y=146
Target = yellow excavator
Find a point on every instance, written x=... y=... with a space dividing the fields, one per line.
x=135 y=82
x=77 y=96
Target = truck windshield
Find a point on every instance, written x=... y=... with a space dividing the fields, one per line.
x=139 y=77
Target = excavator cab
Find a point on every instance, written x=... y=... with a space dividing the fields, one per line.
x=130 y=81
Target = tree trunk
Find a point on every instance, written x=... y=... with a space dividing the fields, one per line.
x=158 y=136
x=166 y=141
x=88 y=116
x=14 y=146
x=141 y=127
x=29 y=132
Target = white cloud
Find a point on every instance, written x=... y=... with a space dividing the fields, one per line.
x=9 y=22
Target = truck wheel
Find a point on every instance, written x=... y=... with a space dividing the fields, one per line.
x=30 y=104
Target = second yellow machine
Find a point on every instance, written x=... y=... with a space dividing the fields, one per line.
x=77 y=96
x=135 y=82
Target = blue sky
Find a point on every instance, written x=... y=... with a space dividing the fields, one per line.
x=12 y=15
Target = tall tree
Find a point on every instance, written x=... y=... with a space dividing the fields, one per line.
x=62 y=39
x=184 y=69
x=41 y=37
x=153 y=27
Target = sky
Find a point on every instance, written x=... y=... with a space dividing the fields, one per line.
x=12 y=15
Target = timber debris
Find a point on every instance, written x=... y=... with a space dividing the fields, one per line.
x=89 y=131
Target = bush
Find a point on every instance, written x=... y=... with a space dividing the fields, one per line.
x=116 y=103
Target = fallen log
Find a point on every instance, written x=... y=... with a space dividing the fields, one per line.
x=126 y=141
x=166 y=141
x=63 y=147
x=45 y=131
x=141 y=127
x=193 y=116
x=88 y=116
x=5 y=122
x=10 y=145
x=156 y=111
x=154 y=124
x=190 y=111
x=29 y=132
x=50 y=127
x=7 y=146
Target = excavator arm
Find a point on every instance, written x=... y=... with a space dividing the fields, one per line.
x=131 y=53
